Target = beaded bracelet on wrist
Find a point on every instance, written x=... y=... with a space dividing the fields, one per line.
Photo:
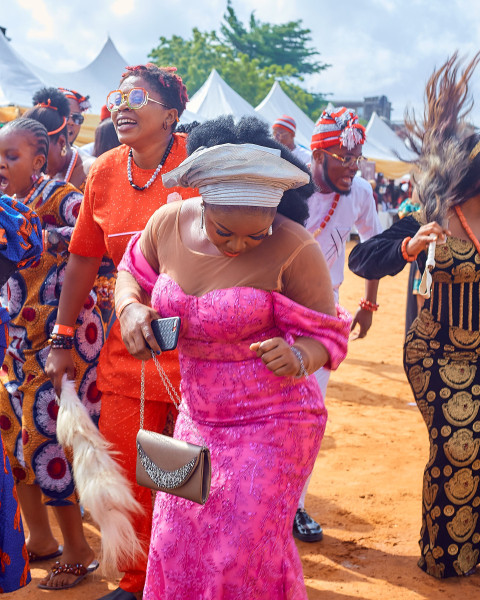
x=303 y=371
x=60 y=342
x=406 y=256
x=367 y=305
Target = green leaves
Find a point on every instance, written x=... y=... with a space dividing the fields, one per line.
x=249 y=60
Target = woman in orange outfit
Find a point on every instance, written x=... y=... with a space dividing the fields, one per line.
x=124 y=188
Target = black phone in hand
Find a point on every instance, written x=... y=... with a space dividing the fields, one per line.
x=166 y=332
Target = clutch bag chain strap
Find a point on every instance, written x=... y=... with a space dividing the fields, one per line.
x=172 y=392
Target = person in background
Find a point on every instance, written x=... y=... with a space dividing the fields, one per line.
x=124 y=189
x=78 y=104
x=64 y=163
x=284 y=130
x=87 y=149
x=414 y=300
x=20 y=246
x=106 y=137
x=28 y=405
x=442 y=347
x=342 y=200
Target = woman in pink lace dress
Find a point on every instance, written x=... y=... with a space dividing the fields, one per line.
x=254 y=295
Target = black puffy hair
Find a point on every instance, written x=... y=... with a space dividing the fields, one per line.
x=37 y=130
x=252 y=130
x=51 y=108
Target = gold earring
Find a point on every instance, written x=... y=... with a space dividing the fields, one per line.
x=63 y=151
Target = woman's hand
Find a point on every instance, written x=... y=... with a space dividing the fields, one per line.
x=426 y=234
x=137 y=332
x=59 y=362
x=277 y=356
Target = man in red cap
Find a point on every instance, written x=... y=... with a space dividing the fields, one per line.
x=284 y=130
x=342 y=201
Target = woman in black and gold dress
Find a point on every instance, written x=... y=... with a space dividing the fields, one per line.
x=442 y=347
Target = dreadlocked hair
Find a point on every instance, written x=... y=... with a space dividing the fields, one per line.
x=51 y=108
x=163 y=80
x=251 y=130
x=37 y=131
x=446 y=175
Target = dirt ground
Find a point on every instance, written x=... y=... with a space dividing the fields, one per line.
x=366 y=487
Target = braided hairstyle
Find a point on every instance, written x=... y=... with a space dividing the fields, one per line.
x=37 y=131
x=251 y=130
x=51 y=108
x=163 y=80
x=448 y=171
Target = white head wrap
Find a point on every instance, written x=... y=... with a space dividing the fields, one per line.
x=238 y=175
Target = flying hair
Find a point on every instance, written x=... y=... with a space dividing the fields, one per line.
x=446 y=175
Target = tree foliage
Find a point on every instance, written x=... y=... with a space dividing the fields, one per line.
x=249 y=61
x=282 y=45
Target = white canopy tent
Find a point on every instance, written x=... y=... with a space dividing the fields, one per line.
x=276 y=104
x=216 y=98
x=95 y=80
x=386 y=149
x=18 y=82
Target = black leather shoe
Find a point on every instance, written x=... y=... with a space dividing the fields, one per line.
x=119 y=594
x=305 y=528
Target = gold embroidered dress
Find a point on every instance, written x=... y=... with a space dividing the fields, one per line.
x=441 y=360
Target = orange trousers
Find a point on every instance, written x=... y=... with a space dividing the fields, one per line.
x=119 y=423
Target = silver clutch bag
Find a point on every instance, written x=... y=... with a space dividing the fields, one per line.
x=169 y=465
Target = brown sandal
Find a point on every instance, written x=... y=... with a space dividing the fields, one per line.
x=32 y=557
x=81 y=571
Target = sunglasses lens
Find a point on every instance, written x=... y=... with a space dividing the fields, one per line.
x=77 y=118
x=114 y=99
x=137 y=97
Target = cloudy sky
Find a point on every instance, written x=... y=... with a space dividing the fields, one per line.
x=375 y=47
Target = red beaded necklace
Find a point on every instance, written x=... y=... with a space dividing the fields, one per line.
x=329 y=215
x=31 y=192
x=466 y=226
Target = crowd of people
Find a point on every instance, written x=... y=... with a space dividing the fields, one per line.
x=240 y=232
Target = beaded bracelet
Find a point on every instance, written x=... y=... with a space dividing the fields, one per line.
x=60 y=342
x=124 y=304
x=367 y=305
x=406 y=256
x=303 y=371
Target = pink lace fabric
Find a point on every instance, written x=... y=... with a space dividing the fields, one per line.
x=263 y=432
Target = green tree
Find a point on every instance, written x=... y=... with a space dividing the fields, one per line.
x=250 y=75
x=285 y=44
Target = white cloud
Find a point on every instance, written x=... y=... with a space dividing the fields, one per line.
x=43 y=27
x=122 y=8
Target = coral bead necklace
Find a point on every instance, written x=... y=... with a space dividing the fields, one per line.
x=328 y=216
x=466 y=226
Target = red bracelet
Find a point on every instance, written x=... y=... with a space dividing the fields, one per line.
x=63 y=330
x=406 y=256
x=367 y=305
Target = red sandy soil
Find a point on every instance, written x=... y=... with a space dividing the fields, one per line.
x=366 y=487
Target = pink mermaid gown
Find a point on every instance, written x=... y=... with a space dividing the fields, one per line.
x=263 y=432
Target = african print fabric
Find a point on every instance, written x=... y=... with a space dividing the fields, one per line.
x=14 y=571
x=20 y=233
x=28 y=408
x=441 y=361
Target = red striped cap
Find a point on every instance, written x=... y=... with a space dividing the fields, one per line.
x=286 y=122
x=338 y=126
